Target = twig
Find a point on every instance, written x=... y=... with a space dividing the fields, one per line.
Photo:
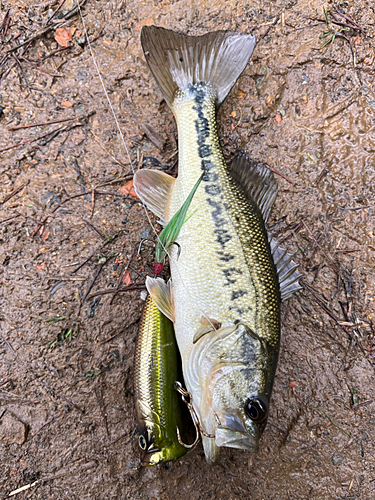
x=62 y=397
x=365 y=403
x=100 y=398
x=269 y=29
x=39 y=68
x=22 y=72
x=113 y=290
x=32 y=125
x=9 y=345
x=92 y=282
x=333 y=423
x=50 y=478
x=54 y=12
x=13 y=193
x=61 y=49
x=121 y=331
x=103 y=237
x=279 y=173
x=56 y=417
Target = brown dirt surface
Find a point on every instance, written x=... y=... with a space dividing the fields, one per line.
x=66 y=354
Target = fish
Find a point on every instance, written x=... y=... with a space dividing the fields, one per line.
x=157 y=403
x=230 y=276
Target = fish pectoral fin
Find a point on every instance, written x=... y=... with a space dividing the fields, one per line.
x=162 y=295
x=154 y=188
x=257 y=181
x=207 y=325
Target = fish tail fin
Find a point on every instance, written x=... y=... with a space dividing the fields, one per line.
x=177 y=61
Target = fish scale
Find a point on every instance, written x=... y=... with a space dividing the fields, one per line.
x=225 y=233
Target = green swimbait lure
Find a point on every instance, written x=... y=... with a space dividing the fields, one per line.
x=157 y=403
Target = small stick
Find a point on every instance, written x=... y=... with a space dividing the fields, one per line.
x=13 y=193
x=365 y=403
x=22 y=72
x=56 y=417
x=92 y=282
x=28 y=141
x=112 y=290
x=103 y=237
x=92 y=202
x=56 y=52
x=348 y=19
x=100 y=398
x=20 y=127
x=62 y=397
x=9 y=345
x=269 y=29
x=115 y=181
x=280 y=174
x=40 y=69
x=121 y=331
x=54 y=12
x=85 y=262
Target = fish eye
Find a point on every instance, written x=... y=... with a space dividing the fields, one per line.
x=256 y=410
x=142 y=442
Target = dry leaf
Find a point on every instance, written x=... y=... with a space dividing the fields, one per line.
x=126 y=279
x=63 y=37
x=128 y=188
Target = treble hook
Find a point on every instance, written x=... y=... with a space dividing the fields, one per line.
x=187 y=398
x=178 y=246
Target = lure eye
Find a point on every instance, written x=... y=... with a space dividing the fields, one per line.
x=256 y=410
x=142 y=442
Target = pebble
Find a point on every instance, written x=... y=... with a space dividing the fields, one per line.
x=12 y=430
x=336 y=460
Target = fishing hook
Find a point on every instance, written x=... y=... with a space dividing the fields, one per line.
x=177 y=245
x=187 y=398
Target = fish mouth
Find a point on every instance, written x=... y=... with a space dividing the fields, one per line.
x=234 y=434
x=236 y=439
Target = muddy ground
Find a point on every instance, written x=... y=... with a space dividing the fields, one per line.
x=66 y=366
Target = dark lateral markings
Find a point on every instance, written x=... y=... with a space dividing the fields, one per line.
x=230 y=273
x=212 y=189
x=226 y=257
x=237 y=294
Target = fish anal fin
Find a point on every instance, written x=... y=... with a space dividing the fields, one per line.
x=257 y=181
x=177 y=60
x=287 y=270
x=162 y=295
x=154 y=188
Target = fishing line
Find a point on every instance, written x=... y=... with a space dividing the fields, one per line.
x=128 y=155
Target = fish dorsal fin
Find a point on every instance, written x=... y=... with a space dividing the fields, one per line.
x=154 y=188
x=257 y=181
x=177 y=60
x=287 y=270
x=162 y=295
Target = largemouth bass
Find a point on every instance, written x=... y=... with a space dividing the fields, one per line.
x=228 y=282
x=157 y=403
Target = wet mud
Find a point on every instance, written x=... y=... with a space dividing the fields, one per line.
x=67 y=421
